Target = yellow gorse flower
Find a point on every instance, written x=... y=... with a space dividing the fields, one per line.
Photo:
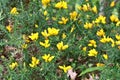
x=117 y=36
x=100 y=33
x=72 y=28
x=53 y=31
x=45 y=13
x=48 y=58
x=94 y=9
x=84 y=48
x=33 y=36
x=14 y=11
x=118 y=23
x=101 y=19
x=36 y=25
x=93 y=52
x=61 y=4
x=86 y=7
x=13 y=65
x=73 y=15
x=65 y=68
x=92 y=43
x=60 y=46
x=45 y=44
x=113 y=42
x=45 y=34
x=63 y=20
x=105 y=39
x=63 y=36
x=45 y=2
x=50 y=32
x=88 y=25
x=105 y=56
x=100 y=64
x=24 y=46
x=9 y=28
x=117 y=42
x=112 y=4
x=34 y=62
x=114 y=18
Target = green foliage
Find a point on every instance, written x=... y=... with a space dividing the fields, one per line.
x=43 y=41
x=91 y=69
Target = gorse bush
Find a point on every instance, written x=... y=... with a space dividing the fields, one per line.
x=59 y=40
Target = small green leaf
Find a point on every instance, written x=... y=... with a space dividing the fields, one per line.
x=91 y=70
x=1 y=68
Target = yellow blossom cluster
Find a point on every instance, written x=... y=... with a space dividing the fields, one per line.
x=101 y=19
x=9 y=28
x=88 y=25
x=92 y=43
x=63 y=36
x=45 y=44
x=114 y=18
x=63 y=20
x=45 y=2
x=61 y=4
x=33 y=36
x=65 y=68
x=34 y=62
x=14 y=11
x=93 y=52
x=100 y=64
x=117 y=42
x=107 y=39
x=13 y=65
x=105 y=56
x=50 y=32
x=87 y=7
x=61 y=46
x=73 y=15
x=112 y=4
x=48 y=57
x=100 y=33
x=94 y=9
